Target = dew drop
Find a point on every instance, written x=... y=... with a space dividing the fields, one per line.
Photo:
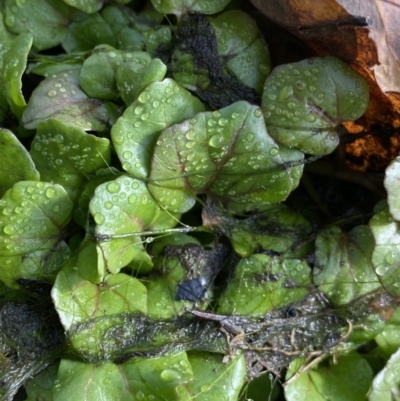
x=216 y=141
x=390 y=258
x=99 y=218
x=169 y=375
x=271 y=96
x=108 y=205
x=191 y=134
x=127 y=155
x=112 y=54
x=250 y=137
x=132 y=199
x=312 y=88
x=135 y=185
x=222 y=122
x=8 y=229
x=273 y=151
x=258 y=113
x=140 y=395
x=50 y=192
x=190 y=144
x=113 y=187
x=59 y=138
x=52 y=93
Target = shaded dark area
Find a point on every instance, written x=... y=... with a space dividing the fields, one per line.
x=196 y=37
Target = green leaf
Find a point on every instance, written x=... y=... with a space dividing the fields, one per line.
x=33 y=216
x=206 y=64
x=125 y=26
x=46 y=20
x=226 y=154
x=157 y=38
x=159 y=106
x=77 y=300
x=87 y=32
x=262 y=283
x=68 y=155
x=179 y=7
x=124 y=207
x=40 y=388
x=242 y=45
x=158 y=379
x=213 y=379
x=153 y=379
x=14 y=65
x=132 y=77
x=343 y=268
x=16 y=163
x=386 y=254
x=385 y=386
x=60 y=97
x=305 y=102
x=277 y=229
x=87 y=6
x=392 y=186
x=100 y=82
x=347 y=380
x=389 y=339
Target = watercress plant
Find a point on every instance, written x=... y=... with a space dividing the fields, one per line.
x=143 y=183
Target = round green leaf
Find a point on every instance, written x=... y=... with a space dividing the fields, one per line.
x=343 y=268
x=213 y=379
x=47 y=21
x=158 y=379
x=385 y=386
x=68 y=155
x=133 y=76
x=262 y=283
x=87 y=6
x=77 y=300
x=305 y=102
x=87 y=32
x=14 y=65
x=16 y=163
x=179 y=7
x=226 y=154
x=348 y=379
x=159 y=106
x=33 y=215
x=392 y=186
x=277 y=229
x=122 y=208
x=386 y=254
x=60 y=97
x=241 y=43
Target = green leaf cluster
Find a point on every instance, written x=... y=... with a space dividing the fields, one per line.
x=144 y=171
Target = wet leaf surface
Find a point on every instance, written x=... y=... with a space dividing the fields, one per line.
x=16 y=163
x=228 y=143
x=60 y=97
x=298 y=114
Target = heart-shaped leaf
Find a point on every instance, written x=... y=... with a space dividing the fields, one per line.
x=305 y=102
x=122 y=208
x=60 y=97
x=262 y=283
x=68 y=155
x=159 y=106
x=386 y=253
x=235 y=161
x=33 y=216
x=77 y=300
x=343 y=268
x=16 y=163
